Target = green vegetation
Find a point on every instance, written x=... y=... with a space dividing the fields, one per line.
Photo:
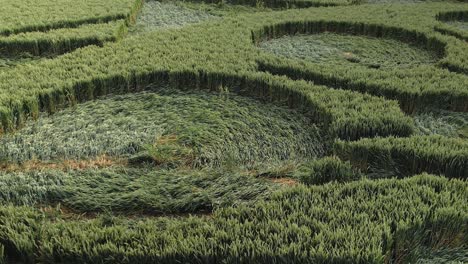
x=28 y=15
x=326 y=170
x=217 y=127
x=413 y=89
x=453 y=23
x=409 y=156
x=337 y=110
x=459 y=24
x=404 y=1
x=245 y=133
x=446 y=123
x=156 y=15
x=425 y=255
x=15 y=60
x=332 y=48
x=59 y=26
x=61 y=40
x=358 y=222
x=212 y=53
x=283 y=3
x=132 y=190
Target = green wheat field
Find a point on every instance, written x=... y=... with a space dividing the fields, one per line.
x=233 y=131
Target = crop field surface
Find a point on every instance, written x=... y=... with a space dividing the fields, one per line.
x=401 y=1
x=459 y=24
x=239 y=131
x=30 y=15
x=156 y=15
x=58 y=41
x=329 y=48
x=446 y=123
x=133 y=191
x=215 y=126
x=12 y=61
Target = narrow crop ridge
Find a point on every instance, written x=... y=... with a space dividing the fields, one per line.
x=408 y=156
x=27 y=16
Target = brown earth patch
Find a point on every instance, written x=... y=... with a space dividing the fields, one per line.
x=285 y=181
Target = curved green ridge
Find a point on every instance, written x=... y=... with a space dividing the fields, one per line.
x=453 y=23
x=59 y=41
x=221 y=48
x=445 y=123
x=28 y=15
x=408 y=156
x=61 y=26
x=423 y=86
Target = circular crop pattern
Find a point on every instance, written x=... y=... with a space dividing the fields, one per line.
x=233 y=131
x=340 y=49
x=216 y=128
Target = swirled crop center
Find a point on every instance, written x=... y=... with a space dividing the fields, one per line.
x=201 y=128
x=350 y=50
